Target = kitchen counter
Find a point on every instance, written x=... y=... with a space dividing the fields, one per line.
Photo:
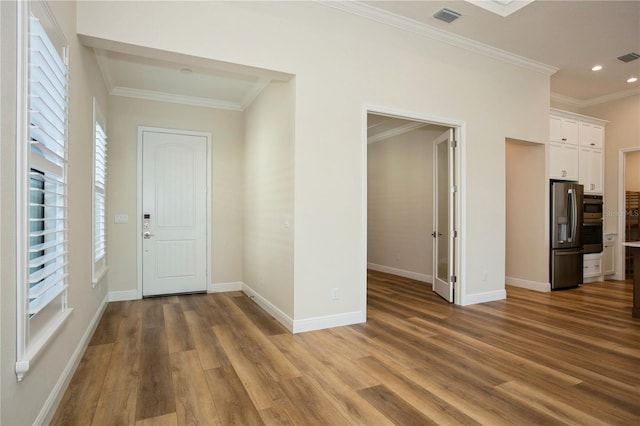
x=635 y=310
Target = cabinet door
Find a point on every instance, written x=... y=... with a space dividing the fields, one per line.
x=609 y=259
x=563 y=161
x=591 y=135
x=597 y=136
x=596 y=177
x=570 y=131
x=555 y=129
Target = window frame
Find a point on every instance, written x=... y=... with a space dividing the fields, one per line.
x=37 y=324
x=99 y=263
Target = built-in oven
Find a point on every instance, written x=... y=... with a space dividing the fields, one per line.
x=592 y=225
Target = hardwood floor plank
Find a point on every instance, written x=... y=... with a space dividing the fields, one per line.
x=194 y=404
x=116 y=408
x=256 y=379
x=393 y=407
x=107 y=328
x=124 y=366
x=230 y=397
x=79 y=402
x=206 y=343
x=430 y=405
x=310 y=402
x=178 y=333
x=165 y=420
x=155 y=387
x=262 y=320
x=342 y=392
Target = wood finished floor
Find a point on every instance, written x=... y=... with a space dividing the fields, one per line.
x=568 y=357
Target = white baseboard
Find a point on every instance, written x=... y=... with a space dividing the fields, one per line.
x=273 y=310
x=224 y=287
x=319 y=323
x=119 y=296
x=530 y=285
x=401 y=272
x=51 y=404
x=490 y=296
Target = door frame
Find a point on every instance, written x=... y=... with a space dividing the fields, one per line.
x=621 y=213
x=138 y=218
x=459 y=127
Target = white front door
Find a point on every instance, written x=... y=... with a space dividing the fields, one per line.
x=443 y=215
x=174 y=212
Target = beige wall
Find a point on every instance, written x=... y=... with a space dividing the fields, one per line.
x=268 y=201
x=338 y=71
x=226 y=128
x=22 y=402
x=526 y=181
x=400 y=202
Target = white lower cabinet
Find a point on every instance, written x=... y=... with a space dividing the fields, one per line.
x=592 y=264
x=609 y=254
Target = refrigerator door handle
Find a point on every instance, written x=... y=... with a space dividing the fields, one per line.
x=572 y=210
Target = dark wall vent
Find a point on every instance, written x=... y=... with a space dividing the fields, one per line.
x=447 y=15
x=629 y=57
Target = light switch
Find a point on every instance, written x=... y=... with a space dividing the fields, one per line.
x=121 y=218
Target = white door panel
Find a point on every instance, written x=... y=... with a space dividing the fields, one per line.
x=443 y=215
x=174 y=207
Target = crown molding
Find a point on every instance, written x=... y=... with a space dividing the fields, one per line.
x=176 y=99
x=567 y=100
x=252 y=94
x=395 y=132
x=101 y=59
x=422 y=29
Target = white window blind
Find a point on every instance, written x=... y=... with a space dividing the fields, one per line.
x=99 y=200
x=47 y=137
x=42 y=302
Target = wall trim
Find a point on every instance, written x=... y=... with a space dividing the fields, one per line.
x=420 y=28
x=328 y=321
x=173 y=98
x=269 y=307
x=120 y=296
x=530 y=285
x=401 y=273
x=556 y=97
x=224 y=287
x=490 y=296
x=51 y=404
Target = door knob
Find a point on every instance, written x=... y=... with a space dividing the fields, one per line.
x=147 y=234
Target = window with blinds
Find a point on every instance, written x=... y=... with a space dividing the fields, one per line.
x=99 y=198
x=42 y=293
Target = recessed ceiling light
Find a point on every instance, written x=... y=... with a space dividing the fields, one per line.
x=632 y=80
x=596 y=68
x=186 y=70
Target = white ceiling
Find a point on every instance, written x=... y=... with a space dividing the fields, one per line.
x=571 y=36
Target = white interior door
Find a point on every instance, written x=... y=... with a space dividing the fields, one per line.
x=174 y=213
x=443 y=215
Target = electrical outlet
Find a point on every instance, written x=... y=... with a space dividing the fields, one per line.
x=335 y=294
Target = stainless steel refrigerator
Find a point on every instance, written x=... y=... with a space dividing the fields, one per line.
x=566 y=266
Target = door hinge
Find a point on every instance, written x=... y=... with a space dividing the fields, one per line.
x=454 y=188
x=454 y=143
x=455 y=234
x=453 y=278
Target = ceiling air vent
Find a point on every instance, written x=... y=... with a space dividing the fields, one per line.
x=629 y=57
x=447 y=15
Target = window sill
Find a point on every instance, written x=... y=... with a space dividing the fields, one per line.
x=39 y=343
x=98 y=275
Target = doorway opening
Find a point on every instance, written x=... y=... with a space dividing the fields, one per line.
x=628 y=208
x=413 y=199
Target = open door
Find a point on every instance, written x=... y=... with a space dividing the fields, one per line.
x=444 y=233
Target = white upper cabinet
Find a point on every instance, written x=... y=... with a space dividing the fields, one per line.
x=563 y=130
x=576 y=149
x=591 y=135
